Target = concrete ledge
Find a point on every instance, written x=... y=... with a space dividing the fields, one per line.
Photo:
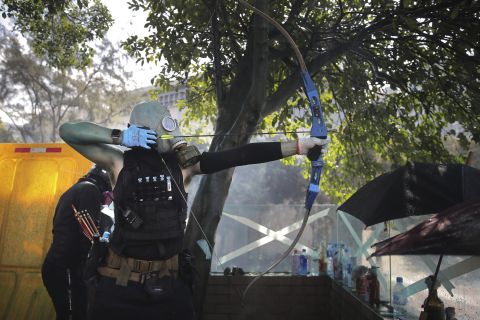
x=282 y=298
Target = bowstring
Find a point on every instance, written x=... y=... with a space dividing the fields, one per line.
x=192 y=213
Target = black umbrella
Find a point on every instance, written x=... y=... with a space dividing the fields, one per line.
x=414 y=189
x=455 y=231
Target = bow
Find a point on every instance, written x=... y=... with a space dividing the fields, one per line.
x=318 y=130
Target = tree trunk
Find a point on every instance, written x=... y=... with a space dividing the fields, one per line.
x=239 y=113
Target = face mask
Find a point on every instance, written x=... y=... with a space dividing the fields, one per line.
x=107 y=198
x=158 y=118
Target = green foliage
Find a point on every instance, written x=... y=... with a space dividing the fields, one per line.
x=393 y=76
x=198 y=109
x=61 y=31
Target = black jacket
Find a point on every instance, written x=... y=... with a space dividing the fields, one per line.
x=69 y=246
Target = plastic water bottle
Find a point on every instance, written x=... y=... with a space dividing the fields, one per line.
x=337 y=263
x=330 y=252
x=399 y=300
x=315 y=265
x=304 y=262
x=330 y=267
x=295 y=263
x=347 y=268
x=353 y=265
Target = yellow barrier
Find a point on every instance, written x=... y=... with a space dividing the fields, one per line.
x=33 y=176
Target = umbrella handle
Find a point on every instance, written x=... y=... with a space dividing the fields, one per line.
x=423 y=313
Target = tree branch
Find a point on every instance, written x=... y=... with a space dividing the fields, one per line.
x=292 y=83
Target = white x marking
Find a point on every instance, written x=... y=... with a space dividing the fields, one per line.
x=270 y=235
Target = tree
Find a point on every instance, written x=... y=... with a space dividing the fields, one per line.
x=5 y=134
x=392 y=76
x=61 y=31
x=37 y=98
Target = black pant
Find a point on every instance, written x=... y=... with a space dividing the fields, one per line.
x=133 y=302
x=67 y=290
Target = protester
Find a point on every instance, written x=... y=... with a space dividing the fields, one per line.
x=63 y=265
x=140 y=274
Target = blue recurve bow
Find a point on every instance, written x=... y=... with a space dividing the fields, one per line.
x=318 y=130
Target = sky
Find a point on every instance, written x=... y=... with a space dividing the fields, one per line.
x=126 y=23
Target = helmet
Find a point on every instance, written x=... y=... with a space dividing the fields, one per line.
x=99 y=177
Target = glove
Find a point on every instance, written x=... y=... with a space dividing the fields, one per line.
x=305 y=144
x=134 y=136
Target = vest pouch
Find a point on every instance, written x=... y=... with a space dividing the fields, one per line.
x=132 y=218
x=157 y=224
x=157 y=287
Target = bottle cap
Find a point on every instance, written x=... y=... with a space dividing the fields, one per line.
x=399 y=280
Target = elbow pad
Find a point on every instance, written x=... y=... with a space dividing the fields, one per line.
x=187 y=156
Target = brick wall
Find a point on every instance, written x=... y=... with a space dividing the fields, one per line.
x=282 y=298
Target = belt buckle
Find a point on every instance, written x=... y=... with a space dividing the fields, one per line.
x=137 y=266
x=144 y=276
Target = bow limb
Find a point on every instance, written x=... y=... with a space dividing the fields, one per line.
x=318 y=130
x=282 y=257
x=284 y=32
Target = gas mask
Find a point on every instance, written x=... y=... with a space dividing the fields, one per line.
x=157 y=117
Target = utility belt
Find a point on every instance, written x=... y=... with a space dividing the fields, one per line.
x=125 y=269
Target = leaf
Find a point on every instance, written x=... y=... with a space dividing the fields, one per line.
x=61 y=31
x=410 y=22
x=376 y=126
x=455 y=12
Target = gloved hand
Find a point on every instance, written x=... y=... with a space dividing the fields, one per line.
x=134 y=136
x=305 y=144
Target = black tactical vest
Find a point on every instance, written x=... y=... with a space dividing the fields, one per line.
x=150 y=210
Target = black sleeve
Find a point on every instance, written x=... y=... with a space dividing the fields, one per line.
x=89 y=198
x=251 y=153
